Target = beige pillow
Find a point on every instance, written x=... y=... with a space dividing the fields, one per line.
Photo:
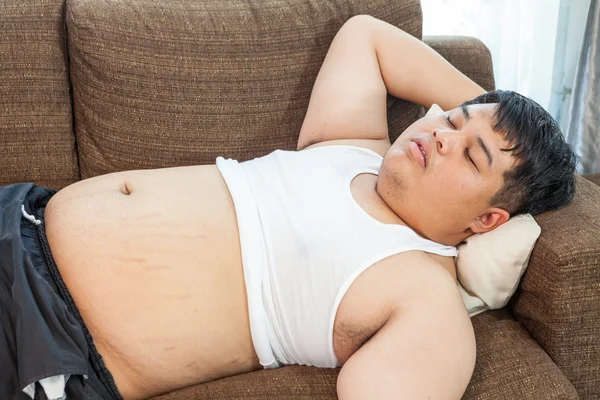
x=490 y=265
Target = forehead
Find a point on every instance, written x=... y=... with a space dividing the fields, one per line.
x=478 y=113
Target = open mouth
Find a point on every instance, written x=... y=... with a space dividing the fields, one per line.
x=419 y=153
x=424 y=154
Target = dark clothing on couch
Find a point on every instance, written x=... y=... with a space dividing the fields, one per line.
x=42 y=334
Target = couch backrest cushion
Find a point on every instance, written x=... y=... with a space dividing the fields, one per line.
x=559 y=298
x=36 y=133
x=180 y=82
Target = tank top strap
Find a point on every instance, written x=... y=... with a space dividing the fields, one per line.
x=411 y=239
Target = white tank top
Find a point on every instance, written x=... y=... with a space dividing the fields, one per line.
x=304 y=240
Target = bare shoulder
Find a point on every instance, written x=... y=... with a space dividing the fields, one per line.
x=379 y=146
x=408 y=273
x=377 y=293
x=425 y=348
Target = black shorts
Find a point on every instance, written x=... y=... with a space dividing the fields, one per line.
x=42 y=333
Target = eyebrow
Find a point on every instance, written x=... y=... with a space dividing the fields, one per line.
x=487 y=152
x=465 y=111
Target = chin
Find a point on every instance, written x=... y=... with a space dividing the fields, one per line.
x=394 y=179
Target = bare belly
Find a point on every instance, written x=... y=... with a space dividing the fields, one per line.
x=152 y=259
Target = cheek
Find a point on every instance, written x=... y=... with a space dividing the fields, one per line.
x=394 y=152
x=455 y=188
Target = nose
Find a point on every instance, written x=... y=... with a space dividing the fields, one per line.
x=445 y=140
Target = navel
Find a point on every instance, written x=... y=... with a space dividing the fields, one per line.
x=126 y=188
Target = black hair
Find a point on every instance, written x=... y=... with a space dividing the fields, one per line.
x=543 y=178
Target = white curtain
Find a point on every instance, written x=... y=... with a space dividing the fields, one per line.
x=583 y=118
x=532 y=42
x=569 y=41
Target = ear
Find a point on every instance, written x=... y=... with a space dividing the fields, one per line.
x=491 y=219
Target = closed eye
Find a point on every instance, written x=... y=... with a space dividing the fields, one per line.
x=467 y=156
x=470 y=159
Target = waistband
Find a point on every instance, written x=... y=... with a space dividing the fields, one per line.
x=33 y=209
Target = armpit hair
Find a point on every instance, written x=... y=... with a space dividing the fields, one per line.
x=354 y=336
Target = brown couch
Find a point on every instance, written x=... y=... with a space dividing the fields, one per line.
x=90 y=87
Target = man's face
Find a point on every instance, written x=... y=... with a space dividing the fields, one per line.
x=463 y=169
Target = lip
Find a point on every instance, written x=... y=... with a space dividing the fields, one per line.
x=415 y=152
x=424 y=161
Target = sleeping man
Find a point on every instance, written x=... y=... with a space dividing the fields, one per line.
x=342 y=253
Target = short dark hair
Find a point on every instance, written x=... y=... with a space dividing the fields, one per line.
x=543 y=178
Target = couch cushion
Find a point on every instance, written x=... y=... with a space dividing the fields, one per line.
x=468 y=54
x=36 y=135
x=180 y=82
x=559 y=297
x=510 y=365
x=593 y=178
x=293 y=382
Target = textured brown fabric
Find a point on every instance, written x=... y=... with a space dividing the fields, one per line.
x=510 y=365
x=593 y=178
x=469 y=55
x=559 y=297
x=400 y=115
x=294 y=382
x=181 y=82
x=36 y=135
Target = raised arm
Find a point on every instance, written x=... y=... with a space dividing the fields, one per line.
x=415 y=72
x=426 y=350
x=367 y=59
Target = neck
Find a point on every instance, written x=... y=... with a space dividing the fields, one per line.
x=448 y=239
